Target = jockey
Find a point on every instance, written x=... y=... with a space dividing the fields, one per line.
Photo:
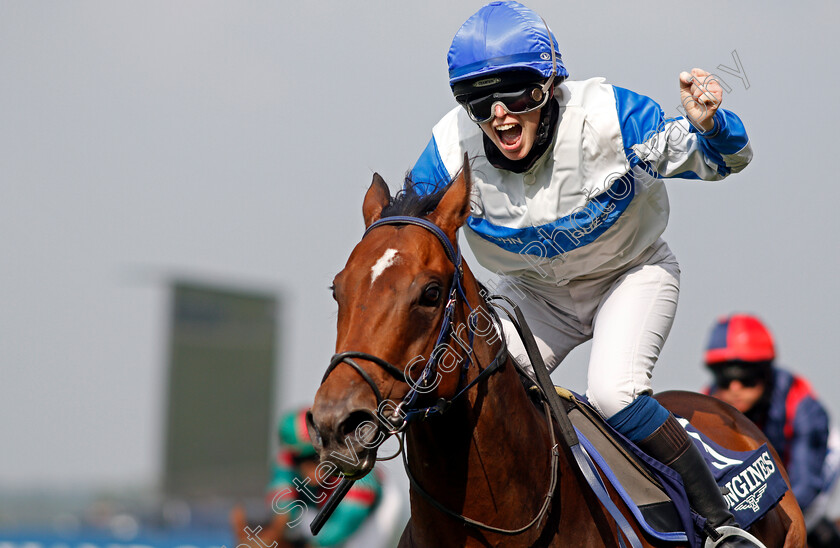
x=741 y=357
x=294 y=486
x=568 y=208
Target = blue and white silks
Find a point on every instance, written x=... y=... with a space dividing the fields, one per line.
x=595 y=200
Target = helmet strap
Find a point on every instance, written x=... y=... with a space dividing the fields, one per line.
x=544 y=130
x=548 y=86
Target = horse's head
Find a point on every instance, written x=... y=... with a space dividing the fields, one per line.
x=395 y=297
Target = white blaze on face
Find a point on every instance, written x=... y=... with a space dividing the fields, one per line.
x=386 y=260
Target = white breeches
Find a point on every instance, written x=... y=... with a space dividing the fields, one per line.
x=627 y=314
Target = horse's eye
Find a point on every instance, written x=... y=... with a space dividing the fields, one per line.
x=431 y=295
x=332 y=290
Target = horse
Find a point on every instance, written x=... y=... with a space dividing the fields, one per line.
x=484 y=463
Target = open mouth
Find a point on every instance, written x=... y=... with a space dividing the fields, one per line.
x=509 y=135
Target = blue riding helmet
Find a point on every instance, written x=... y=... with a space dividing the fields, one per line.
x=503 y=37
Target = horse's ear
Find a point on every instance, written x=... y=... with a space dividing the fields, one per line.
x=378 y=196
x=454 y=208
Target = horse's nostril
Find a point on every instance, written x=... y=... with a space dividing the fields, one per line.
x=350 y=426
x=314 y=434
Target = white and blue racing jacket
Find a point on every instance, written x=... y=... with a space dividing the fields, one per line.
x=595 y=200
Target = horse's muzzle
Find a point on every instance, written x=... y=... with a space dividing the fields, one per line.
x=347 y=439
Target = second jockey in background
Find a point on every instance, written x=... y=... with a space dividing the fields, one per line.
x=741 y=356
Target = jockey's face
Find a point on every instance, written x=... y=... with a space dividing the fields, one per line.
x=513 y=134
x=741 y=397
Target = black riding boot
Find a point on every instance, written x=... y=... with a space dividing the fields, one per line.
x=670 y=445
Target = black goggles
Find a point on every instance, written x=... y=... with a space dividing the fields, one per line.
x=748 y=377
x=519 y=101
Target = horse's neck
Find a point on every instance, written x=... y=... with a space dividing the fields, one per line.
x=485 y=458
x=491 y=445
x=496 y=419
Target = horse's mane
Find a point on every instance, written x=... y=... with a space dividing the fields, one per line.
x=415 y=199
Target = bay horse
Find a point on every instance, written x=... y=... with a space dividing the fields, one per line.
x=483 y=462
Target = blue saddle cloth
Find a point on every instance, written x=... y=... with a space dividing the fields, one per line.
x=751 y=480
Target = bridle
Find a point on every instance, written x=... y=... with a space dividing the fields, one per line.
x=408 y=409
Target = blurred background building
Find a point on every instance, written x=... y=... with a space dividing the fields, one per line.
x=221 y=376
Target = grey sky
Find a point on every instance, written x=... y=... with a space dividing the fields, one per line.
x=232 y=142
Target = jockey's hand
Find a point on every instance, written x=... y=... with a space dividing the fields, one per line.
x=701 y=95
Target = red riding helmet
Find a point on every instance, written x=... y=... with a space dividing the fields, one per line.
x=740 y=338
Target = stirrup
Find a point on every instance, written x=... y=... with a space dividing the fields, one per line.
x=727 y=532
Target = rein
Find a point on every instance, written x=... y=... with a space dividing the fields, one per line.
x=585 y=469
x=406 y=411
x=582 y=465
x=555 y=470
